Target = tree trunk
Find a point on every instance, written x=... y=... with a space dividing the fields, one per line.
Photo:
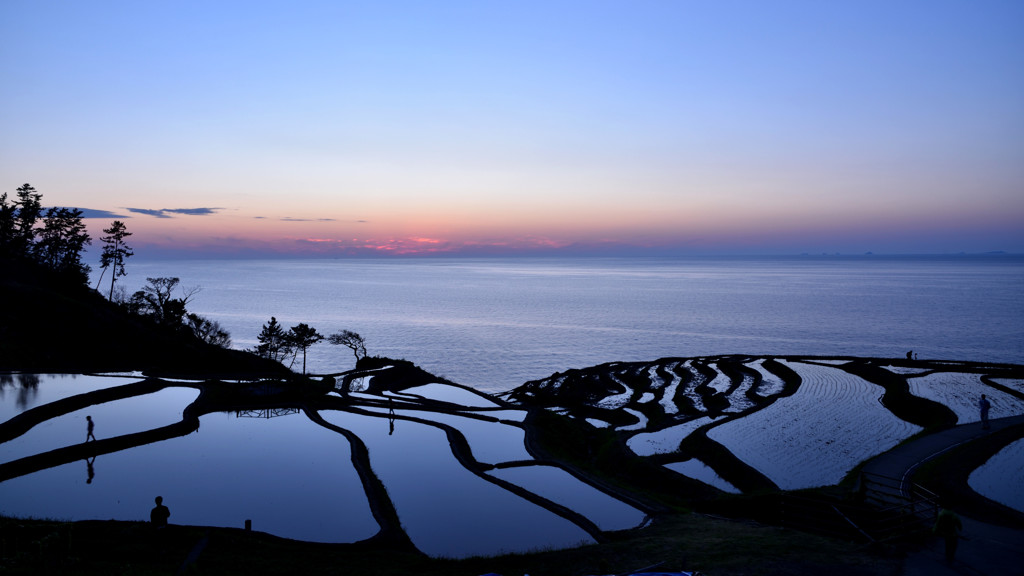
x=113 y=273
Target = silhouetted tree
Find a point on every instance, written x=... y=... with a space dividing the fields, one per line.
x=273 y=341
x=115 y=252
x=56 y=245
x=209 y=331
x=302 y=337
x=8 y=212
x=29 y=209
x=17 y=222
x=156 y=300
x=351 y=340
x=61 y=242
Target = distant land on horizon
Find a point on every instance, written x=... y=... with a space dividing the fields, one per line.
x=159 y=254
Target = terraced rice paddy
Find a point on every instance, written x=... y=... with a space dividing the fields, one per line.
x=698 y=470
x=1014 y=383
x=555 y=484
x=961 y=393
x=305 y=474
x=1002 y=477
x=814 y=437
x=799 y=422
x=666 y=440
x=458 y=468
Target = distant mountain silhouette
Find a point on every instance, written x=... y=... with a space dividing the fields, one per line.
x=49 y=323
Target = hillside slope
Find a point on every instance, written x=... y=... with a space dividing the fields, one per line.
x=48 y=324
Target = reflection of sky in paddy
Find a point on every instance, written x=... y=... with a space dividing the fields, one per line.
x=288 y=475
x=446 y=393
x=666 y=440
x=510 y=415
x=1001 y=477
x=446 y=509
x=698 y=470
x=357 y=396
x=563 y=488
x=491 y=442
x=15 y=399
x=291 y=477
x=115 y=418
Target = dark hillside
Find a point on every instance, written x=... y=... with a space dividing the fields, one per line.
x=49 y=323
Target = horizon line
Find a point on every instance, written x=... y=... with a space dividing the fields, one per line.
x=255 y=255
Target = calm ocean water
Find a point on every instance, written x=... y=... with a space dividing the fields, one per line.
x=496 y=323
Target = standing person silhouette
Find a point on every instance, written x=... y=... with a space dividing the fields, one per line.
x=88 y=429
x=984 y=405
x=160 y=513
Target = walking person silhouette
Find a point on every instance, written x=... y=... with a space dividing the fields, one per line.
x=89 y=428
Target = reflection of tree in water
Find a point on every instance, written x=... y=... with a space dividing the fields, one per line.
x=5 y=381
x=27 y=387
x=266 y=413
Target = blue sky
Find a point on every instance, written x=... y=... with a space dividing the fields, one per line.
x=335 y=128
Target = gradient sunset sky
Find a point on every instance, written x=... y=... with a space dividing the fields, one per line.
x=518 y=127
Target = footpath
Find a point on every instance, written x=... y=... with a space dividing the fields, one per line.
x=986 y=549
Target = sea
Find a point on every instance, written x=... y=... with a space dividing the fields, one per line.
x=495 y=323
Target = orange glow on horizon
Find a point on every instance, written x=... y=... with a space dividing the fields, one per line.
x=742 y=228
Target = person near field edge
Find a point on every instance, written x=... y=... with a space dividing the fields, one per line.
x=948 y=527
x=984 y=405
x=160 y=513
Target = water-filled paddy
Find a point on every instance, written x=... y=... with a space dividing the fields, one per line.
x=700 y=471
x=1002 y=477
x=20 y=392
x=433 y=447
x=815 y=436
x=445 y=509
x=210 y=478
x=559 y=486
x=491 y=442
x=125 y=416
x=289 y=475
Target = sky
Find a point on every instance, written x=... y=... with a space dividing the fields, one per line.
x=331 y=128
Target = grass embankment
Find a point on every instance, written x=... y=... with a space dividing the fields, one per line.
x=688 y=542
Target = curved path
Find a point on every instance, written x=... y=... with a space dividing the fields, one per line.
x=986 y=548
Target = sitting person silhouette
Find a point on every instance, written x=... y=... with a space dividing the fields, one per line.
x=160 y=513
